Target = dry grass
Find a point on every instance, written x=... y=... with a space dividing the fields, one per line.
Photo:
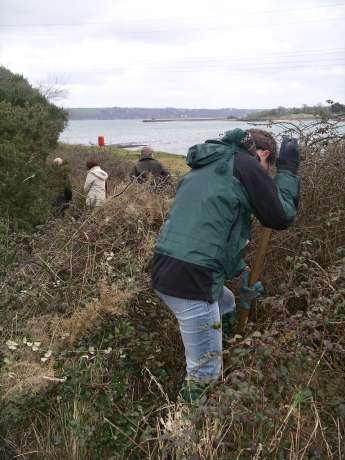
x=78 y=275
x=26 y=375
x=82 y=320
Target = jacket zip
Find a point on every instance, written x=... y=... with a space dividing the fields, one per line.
x=233 y=225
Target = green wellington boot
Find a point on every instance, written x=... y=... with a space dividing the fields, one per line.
x=228 y=321
x=191 y=391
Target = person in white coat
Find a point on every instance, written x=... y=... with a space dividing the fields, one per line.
x=95 y=184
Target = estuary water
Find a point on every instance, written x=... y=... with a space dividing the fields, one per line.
x=171 y=137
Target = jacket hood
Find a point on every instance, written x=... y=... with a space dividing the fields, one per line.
x=202 y=154
x=241 y=138
x=99 y=173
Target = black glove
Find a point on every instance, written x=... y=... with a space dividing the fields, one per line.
x=289 y=154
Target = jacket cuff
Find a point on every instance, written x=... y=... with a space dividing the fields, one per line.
x=287 y=165
x=240 y=267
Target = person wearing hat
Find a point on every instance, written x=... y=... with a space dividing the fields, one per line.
x=148 y=165
x=201 y=244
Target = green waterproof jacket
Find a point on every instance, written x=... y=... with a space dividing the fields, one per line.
x=210 y=219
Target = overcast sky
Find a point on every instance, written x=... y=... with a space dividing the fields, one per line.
x=179 y=53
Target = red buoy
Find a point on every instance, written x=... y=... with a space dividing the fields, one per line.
x=101 y=142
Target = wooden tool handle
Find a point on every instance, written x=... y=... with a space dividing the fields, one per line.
x=255 y=275
x=259 y=262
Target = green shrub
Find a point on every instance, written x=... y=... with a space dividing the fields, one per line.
x=29 y=129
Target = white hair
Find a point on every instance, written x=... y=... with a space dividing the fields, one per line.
x=58 y=161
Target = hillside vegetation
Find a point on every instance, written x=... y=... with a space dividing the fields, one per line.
x=333 y=109
x=124 y=113
x=91 y=361
x=29 y=129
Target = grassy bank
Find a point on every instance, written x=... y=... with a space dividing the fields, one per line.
x=76 y=154
x=285 y=117
x=91 y=362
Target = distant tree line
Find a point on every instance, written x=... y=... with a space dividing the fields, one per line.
x=333 y=108
x=126 y=113
x=29 y=129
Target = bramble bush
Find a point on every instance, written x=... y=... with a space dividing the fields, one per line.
x=91 y=361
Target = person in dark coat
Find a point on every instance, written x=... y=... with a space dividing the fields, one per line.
x=147 y=166
x=61 y=186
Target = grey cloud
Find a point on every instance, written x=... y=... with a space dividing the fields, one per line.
x=181 y=60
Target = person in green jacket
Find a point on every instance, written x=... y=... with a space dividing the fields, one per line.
x=201 y=244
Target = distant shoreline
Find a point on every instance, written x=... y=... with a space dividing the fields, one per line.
x=245 y=120
x=158 y=120
x=166 y=120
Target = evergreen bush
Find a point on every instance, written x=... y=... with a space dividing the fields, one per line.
x=29 y=129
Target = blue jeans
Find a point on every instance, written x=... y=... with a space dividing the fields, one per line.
x=201 y=331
